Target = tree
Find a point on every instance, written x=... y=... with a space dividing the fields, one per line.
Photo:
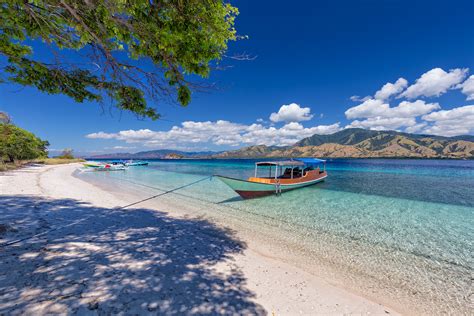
x=67 y=154
x=133 y=49
x=19 y=144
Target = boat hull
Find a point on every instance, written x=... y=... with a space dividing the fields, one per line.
x=91 y=165
x=134 y=164
x=250 y=189
x=105 y=168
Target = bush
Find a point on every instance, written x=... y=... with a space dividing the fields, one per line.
x=19 y=144
x=66 y=154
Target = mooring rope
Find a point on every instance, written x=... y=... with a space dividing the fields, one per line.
x=163 y=193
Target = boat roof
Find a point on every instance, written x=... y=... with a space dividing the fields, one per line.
x=311 y=161
x=280 y=163
x=293 y=162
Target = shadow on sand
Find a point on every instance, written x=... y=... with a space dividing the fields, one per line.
x=109 y=261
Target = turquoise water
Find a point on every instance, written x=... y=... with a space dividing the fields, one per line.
x=407 y=226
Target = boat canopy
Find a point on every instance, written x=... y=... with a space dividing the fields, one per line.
x=281 y=163
x=311 y=161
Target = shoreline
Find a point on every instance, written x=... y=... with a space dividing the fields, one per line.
x=266 y=284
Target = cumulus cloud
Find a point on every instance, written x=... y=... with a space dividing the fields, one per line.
x=383 y=123
x=379 y=115
x=194 y=134
x=289 y=134
x=100 y=135
x=417 y=116
x=412 y=109
x=368 y=108
x=435 y=82
x=417 y=128
x=291 y=113
x=390 y=89
x=467 y=87
x=452 y=122
x=357 y=98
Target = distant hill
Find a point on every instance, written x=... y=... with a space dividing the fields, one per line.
x=155 y=154
x=353 y=136
x=361 y=143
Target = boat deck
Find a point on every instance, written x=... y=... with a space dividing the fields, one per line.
x=309 y=176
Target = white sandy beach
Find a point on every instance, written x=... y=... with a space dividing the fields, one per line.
x=67 y=248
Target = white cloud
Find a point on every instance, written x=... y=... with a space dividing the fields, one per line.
x=357 y=98
x=368 y=108
x=291 y=113
x=286 y=135
x=417 y=128
x=457 y=121
x=194 y=134
x=380 y=116
x=383 y=123
x=417 y=116
x=390 y=89
x=412 y=109
x=467 y=87
x=435 y=82
x=100 y=135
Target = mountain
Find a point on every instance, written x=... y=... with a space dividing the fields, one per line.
x=352 y=136
x=361 y=143
x=155 y=154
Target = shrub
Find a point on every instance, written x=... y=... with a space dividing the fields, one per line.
x=19 y=144
x=66 y=154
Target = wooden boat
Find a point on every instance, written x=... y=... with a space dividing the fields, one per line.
x=282 y=176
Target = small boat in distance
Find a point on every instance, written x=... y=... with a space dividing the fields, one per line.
x=100 y=166
x=110 y=167
x=136 y=163
x=92 y=164
x=282 y=176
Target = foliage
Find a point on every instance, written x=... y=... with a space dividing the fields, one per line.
x=134 y=48
x=67 y=153
x=19 y=144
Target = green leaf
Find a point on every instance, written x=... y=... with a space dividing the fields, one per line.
x=133 y=52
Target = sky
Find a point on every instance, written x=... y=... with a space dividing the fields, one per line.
x=318 y=67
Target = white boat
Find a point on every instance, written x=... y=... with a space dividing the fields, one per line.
x=110 y=167
x=136 y=163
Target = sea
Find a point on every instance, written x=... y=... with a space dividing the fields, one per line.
x=400 y=230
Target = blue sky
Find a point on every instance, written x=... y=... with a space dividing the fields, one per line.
x=311 y=56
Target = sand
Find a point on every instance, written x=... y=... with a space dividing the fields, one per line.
x=66 y=246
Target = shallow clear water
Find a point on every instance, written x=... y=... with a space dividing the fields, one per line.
x=409 y=223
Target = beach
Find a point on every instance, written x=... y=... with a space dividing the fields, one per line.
x=70 y=247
